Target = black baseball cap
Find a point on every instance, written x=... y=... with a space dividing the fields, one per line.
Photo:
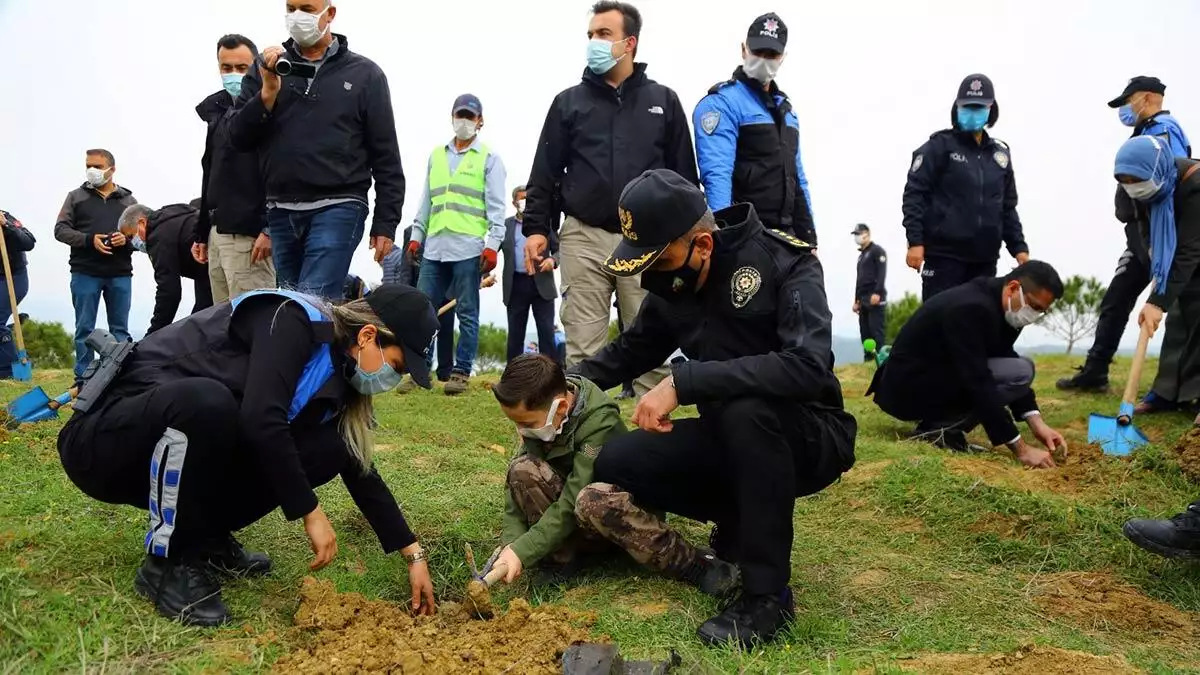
x=976 y=89
x=410 y=316
x=860 y=228
x=1136 y=84
x=468 y=102
x=656 y=208
x=767 y=32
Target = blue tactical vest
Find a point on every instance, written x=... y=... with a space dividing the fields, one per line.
x=319 y=368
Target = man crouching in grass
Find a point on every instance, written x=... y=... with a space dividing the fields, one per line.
x=565 y=420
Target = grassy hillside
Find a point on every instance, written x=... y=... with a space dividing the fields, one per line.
x=913 y=552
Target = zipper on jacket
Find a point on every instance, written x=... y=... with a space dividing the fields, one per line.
x=979 y=212
x=612 y=151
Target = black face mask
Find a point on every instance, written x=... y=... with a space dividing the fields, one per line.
x=674 y=285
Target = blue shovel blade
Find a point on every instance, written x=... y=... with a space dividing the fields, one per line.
x=1113 y=437
x=31 y=406
x=22 y=368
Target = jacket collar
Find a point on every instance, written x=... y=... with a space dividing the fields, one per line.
x=1140 y=127
x=736 y=225
x=119 y=193
x=214 y=106
x=565 y=444
x=755 y=86
x=343 y=47
x=637 y=79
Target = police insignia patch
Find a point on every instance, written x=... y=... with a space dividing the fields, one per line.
x=709 y=121
x=744 y=285
x=1001 y=159
x=917 y=162
x=627 y=224
x=883 y=258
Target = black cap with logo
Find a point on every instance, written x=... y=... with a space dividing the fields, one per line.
x=976 y=89
x=767 y=32
x=656 y=208
x=861 y=228
x=1139 y=83
x=410 y=316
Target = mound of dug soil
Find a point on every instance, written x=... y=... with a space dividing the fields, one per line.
x=1187 y=451
x=1099 y=601
x=352 y=634
x=1084 y=469
x=1024 y=661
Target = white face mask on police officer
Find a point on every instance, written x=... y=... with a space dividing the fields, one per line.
x=1023 y=315
x=758 y=68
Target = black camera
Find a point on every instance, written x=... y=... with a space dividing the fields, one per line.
x=284 y=68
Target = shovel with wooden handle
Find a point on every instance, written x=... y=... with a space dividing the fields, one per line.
x=1117 y=435
x=22 y=369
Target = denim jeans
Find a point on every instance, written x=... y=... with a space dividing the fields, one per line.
x=8 y=349
x=312 y=249
x=86 y=292
x=456 y=280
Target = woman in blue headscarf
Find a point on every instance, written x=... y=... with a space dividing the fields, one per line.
x=1160 y=195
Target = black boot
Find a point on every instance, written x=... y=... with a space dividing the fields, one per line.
x=752 y=618
x=227 y=556
x=724 y=543
x=183 y=591
x=1178 y=537
x=710 y=574
x=1092 y=377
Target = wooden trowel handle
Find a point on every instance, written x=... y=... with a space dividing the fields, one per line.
x=1135 y=370
x=498 y=571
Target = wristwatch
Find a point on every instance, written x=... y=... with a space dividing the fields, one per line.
x=414 y=558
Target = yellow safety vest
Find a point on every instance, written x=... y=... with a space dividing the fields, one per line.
x=458 y=200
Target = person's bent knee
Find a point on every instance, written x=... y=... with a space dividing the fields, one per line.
x=592 y=502
x=525 y=471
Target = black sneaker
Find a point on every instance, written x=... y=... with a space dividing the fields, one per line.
x=1092 y=377
x=752 y=618
x=183 y=591
x=228 y=556
x=1178 y=537
x=712 y=575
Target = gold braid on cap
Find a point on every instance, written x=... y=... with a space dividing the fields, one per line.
x=632 y=264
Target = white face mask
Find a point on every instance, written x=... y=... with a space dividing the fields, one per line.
x=758 y=68
x=1141 y=191
x=305 y=28
x=860 y=240
x=1023 y=316
x=464 y=130
x=96 y=177
x=548 y=432
x=521 y=206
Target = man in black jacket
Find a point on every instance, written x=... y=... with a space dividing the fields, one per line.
x=599 y=135
x=322 y=137
x=953 y=367
x=747 y=306
x=231 y=238
x=166 y=235
x=870 y=290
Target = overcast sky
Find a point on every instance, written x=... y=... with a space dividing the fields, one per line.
x=869 y=80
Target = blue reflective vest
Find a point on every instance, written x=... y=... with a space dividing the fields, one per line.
x=319 y=368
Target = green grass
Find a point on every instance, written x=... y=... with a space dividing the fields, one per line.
x=910 y=553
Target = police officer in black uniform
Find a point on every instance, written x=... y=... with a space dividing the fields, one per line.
x=218 y=419
x=747 y=306
x=960 y=202
x=870 y=290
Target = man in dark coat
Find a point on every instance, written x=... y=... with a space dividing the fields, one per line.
x=167 y=235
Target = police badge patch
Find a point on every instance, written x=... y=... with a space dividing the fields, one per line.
x=917 y=162
x=744 y=285
x=1001 y=159
x=709 y=121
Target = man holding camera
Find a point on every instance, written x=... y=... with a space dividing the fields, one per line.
x=321 y=119
x=101 y=257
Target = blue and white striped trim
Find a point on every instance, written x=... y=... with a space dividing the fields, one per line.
x=166 y=471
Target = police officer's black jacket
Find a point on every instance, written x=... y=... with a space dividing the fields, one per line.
x=960 y=201
x=872 y=274
x=939 y=361
x=259 y=355
x=760 y=326
x=1186 y=262
x=328 y=137
x=597 y=138
x=170 y=233
x=231 y=194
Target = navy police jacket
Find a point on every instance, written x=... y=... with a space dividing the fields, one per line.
x=748 y=149
x=960 y=201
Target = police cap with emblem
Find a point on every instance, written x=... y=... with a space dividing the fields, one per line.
x=1145 y=83
x=861 y=228
x=408 y=314
x=655 y=209
x=767 y=32
x=976 y=89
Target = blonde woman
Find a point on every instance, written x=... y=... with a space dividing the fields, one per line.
x=242 y=408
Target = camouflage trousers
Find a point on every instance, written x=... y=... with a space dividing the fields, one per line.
x=605 y=514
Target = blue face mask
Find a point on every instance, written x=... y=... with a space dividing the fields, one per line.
x=972 y=118
x=599 y=56
x=232 y=83
x=1128 y=117
x=138 y=243
x=382 y=380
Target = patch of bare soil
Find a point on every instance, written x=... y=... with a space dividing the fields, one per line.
x=1007 y=527
x=865 y=472
x=351 y=634
x=1187 y=451
x=1028 y=660
x=1099 y=601
x=1084 y=469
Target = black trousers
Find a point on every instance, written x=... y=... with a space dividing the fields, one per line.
x=525 y=298
x=204 y=297
x=1130 y=279
x=171 y=450
x=941 y=274
x=872 y=324
x=741 y=464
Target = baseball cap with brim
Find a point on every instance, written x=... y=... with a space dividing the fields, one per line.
x=469 y=102
x=976 y=89
x=860 y=228
x=1136 y=84
x=410 y=316
x=655 y=209
x=767 y=32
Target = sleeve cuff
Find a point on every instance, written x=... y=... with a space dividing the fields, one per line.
x=681 y=374
x=299 y=505
x=1031 y=413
